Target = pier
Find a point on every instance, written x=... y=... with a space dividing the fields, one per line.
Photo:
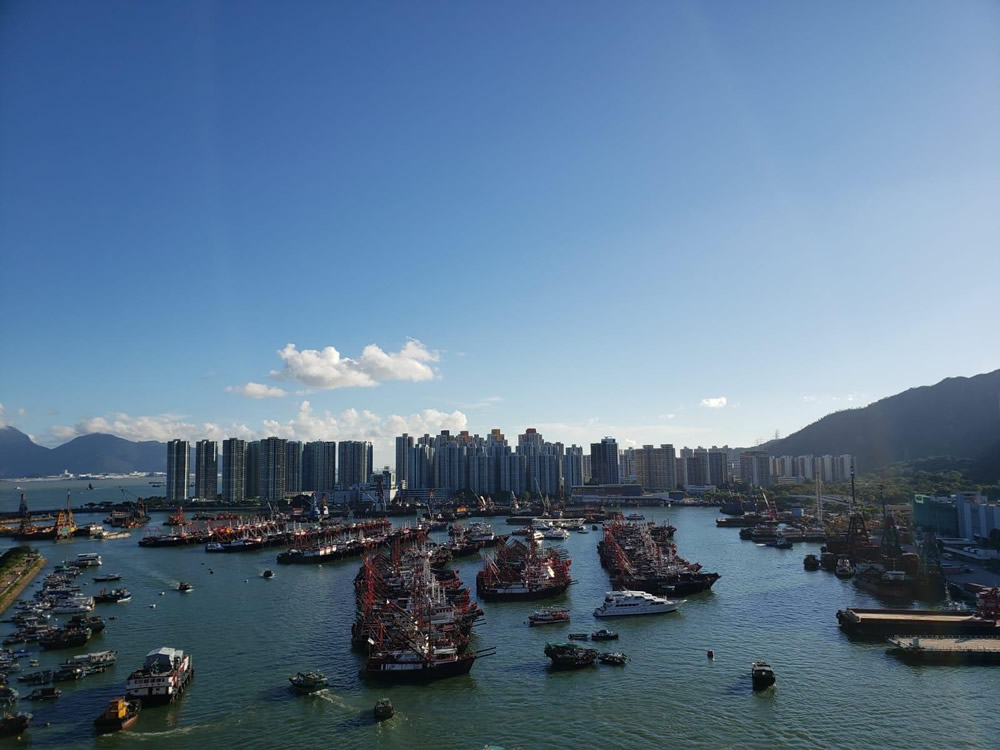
x=946 y=650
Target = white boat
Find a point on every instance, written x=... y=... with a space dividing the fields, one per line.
x=554 y=533
x=623 y=603
x=73 y=605
x=87 y=560
x=162 y=678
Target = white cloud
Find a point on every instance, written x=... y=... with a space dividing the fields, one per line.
x=257 y=390
x=327 y=369
x=160 y=427
x=667 y=416
x=714 y=403
x=2 y=422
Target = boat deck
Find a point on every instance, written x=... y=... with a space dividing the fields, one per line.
x=955 y=645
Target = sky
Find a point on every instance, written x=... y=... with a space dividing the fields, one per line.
x=686 y=222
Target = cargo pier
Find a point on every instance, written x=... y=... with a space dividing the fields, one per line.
x=882 y=623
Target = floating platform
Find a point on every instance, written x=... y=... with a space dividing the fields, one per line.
x=946 y=650
x=882 y=623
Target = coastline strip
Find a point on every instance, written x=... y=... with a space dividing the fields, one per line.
x=20 y=582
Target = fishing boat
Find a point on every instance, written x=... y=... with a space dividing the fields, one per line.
x=107 y=578
x=844 y=568
x=87 y=560
x=163 y=677
x=184 y=587
x=14 y=725
x=579 y=636
x=8 y=695
x=120 y=714
x=811 y=562
x=423 y=665
x=36 y=678
x=548 y=616
x=762 y=675
x=267 y=574
x=627 y=603
x=308 y=682
x=65 y=638
x=570 y=655
x=94 y=622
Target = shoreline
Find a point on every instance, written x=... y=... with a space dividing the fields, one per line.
x=21 y=582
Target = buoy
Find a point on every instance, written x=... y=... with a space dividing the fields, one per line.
x=211 y=571
x=711 y=654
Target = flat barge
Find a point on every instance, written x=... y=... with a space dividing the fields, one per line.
x=882 y=623
x=918 y=650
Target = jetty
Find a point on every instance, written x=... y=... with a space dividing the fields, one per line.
x=882 y=623
x=946 y=650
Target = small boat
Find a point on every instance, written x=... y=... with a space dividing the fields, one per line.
x=635 y=517
x=184 y=587
x=548 y=616
x=120 y=714
x=14 y=725
x=267 y=574
x=44 y=694
x=811 y=562
x=116 y=596
x=604 y=635
x=87 y=560
x=762 y=675
x=614 y=658
x=570 y=655
x=579 y=636
x=308 y=682
x=107 y=578
x=8 y=696
x=844 y=568
x=36 y=678
x=782 y=542
x=595 y=527
x=384 y=709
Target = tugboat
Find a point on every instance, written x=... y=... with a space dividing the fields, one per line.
x=811 y=562
x=570 y=655
x=308 y=682
x=384 y=710
x=14 y=725
x=604 y=635
x=762 y=675
x=164 y=675
x=614 y=658
x=548 y=616
x=120 y=714
x=184 y=587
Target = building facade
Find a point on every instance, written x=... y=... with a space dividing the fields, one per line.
x=178 y=470
x=234 y=454
x=206 y=470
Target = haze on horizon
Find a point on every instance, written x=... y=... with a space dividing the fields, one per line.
x=694 y=223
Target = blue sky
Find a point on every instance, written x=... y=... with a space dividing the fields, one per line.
x=591 y=218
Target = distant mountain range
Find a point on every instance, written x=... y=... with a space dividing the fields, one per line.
x=958 y=417
x=87 y=454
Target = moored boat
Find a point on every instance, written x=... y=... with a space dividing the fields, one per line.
x=44 y=694
x=548 y=616
x=604 y=635
x=107 y=578
x=570 y=655
x=14 y=725
x=115 y=596
x=626 y=603
x=65 y=638
x=614 y=658
x=811 y=562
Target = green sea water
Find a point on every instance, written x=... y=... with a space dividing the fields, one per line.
x=248 y=634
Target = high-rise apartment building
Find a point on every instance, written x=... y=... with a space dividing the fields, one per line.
x=718 y=467
x=272 y=470
x=234 y=455
x=178 y=470
x=319 y=466
x=252 y=468
x=604 y=461
x=656 y=468
x=354 y=459
x=293 y=466
x=572 y=468
x=755 y=468
x=404 y=443
x=206 y=470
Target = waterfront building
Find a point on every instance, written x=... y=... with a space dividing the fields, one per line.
x=354 y=459
x=319 y=466
x=404 y=443
x=588 y=472
x=234 y=453
x=626 y=465
x=656 y=468
x=936 y=514
x=251 y=468
x=604 y=462
x=206 y=470
x=572 y=468
x=681 y=470
x=755 y=468
x=697 y=468
x=272 y=470
x=718 y=467
x=178 y=470
x=293 y=466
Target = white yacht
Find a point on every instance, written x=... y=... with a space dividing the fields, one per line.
x=87 y=560
x=621 y=603
x=555 y=533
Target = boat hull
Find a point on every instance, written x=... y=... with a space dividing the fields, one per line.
x=496 y=594
x=383 y=671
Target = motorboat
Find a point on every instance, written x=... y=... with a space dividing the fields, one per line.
x=308 y=682
x=624 y=603
x=184 y=587
x=267 y=574
x=120 y=714
x=87 y=560
x=115 y=596
x=762 y=675
x=614 y=658
x=383 y=709
x=107 y=578
x=44 y=694
x=604 y=635
x=844 y=568
x=548 y=616
x=570 y=655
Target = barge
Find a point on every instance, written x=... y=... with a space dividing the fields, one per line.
x=946 y=650
x=882 y=623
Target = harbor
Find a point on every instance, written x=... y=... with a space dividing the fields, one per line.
x=248 y=633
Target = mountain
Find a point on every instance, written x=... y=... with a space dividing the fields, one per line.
x=87 y=454
x=958 y=417
x=19 y=456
